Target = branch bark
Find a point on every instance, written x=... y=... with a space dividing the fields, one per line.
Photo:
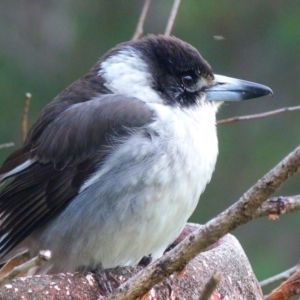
x=278 y=206
x=287 y=289
x=210 y=286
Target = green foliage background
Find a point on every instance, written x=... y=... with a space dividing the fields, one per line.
x=45 y=45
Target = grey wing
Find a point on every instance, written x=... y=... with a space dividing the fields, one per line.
x=55 y=162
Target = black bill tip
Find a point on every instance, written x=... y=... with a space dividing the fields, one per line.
x=232 y=89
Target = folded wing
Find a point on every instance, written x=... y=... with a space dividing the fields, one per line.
x=58 y=157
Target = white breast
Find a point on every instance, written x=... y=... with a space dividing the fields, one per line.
x=189 y=136
x=188 y=153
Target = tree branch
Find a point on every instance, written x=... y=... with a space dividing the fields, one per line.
x=239 y=213
x=24 y=268
x=287 y=289
x=210 y=286
x=258 y=116
x=172 y=17
x=281 y=276
x=15 y=261
x=139 y=28
x=6 y=145
x=24 y=121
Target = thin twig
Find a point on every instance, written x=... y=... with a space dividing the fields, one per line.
x=258 y=116
x=172 y=17
x=238 y=214
x=210 y=286
x=15 y=261
x=6 y=145
x=287 y=289
x=140 y=25
x=42 y=257
x=24 y=121
x=281 y=276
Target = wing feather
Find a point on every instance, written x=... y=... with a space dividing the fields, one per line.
x=63 y=153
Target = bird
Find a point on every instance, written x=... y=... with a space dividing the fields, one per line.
x=114 y=165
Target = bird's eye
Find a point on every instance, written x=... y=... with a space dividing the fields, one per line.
x=187 y=81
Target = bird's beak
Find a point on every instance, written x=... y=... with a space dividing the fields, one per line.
x=232 y=89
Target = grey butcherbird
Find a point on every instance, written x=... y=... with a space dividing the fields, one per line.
x=114 y=166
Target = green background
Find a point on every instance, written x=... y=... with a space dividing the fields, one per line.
x=45 y=45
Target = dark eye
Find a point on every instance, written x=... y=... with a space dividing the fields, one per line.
x=187 y=81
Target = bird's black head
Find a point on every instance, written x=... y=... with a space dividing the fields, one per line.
x=166 y=70
x=179 y=71
x=171 y=68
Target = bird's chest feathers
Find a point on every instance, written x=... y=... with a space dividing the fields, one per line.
x=189 y=146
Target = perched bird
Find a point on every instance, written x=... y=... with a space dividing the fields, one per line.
x=114 y=166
